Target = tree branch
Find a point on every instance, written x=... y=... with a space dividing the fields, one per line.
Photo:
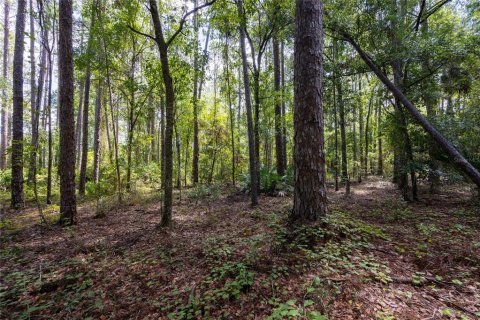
x=184 y=20
x=141 y=33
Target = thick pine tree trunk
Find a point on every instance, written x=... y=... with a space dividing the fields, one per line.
x=68 y=205
x=248 y=106
x=4 y=106
x=278 y=110
x=17 y=118
x=310 y=198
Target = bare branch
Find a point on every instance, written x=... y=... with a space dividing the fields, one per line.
x=184 y=20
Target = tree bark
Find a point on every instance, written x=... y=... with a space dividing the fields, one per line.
x=278 y=110
x=84 y=157
x=79 y=127
x=4 y=107
x=96 y=133
x=310 y=197
x=230 y=108
x=17 y=201
x=49 y=116
x=248 y=105
x=33 y=85
x=32 y=169
x=196 y=149
x=68 y=206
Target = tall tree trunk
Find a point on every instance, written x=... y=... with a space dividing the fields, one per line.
x=335 y=119
x=33 y=85
x=230 y=108
x=310 y=198
x=367 y=132
x=162 y=140
x=84 y=157
x=4 y=107
x=361 y=129
x=96 y=133
x=284 y=127
x=170 y=114
x=83 y=166
x=196 y=149
x=17 y=119
x=32 y=170
x=379 y=137
x=79 y=127
x=179 y=159
x=110 y=102
x=278 y=110
x=344 y=168
x=49 y=116
x=248 y=105
x=68 y=206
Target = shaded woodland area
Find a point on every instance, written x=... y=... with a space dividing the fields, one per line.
x=240 y=159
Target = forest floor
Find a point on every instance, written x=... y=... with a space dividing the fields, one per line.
x=374 y=257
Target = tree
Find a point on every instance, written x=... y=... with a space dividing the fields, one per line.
x=279 y=149
x=248 y=105
x=17 y=200
x=163 y=43
x=96 y=133
x=68 y=203
x=3 y=111
x=310 y=197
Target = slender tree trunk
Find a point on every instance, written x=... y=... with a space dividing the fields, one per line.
x=79 y=127
x=335 y=105
x=179 y=160
x=278 y=110
x=230 y=108
x=355 y=142
x=162 y=140
x=17 y=132
x=248 y=105
x=84 y=157
x=170 y=114
x=96 y=133
x=32 y=170
x=344 y=168
x=4 y=107
x=361 y=170
x=49 y=115
x=196 y=149
x=367 y=132
x=107 y=130
x=68 y=206
x=110 y=101
x=380 y=151
x=284 y=127
x=310 y=198
x=33 y=85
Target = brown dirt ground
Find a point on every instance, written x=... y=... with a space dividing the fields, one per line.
x=124 y=267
